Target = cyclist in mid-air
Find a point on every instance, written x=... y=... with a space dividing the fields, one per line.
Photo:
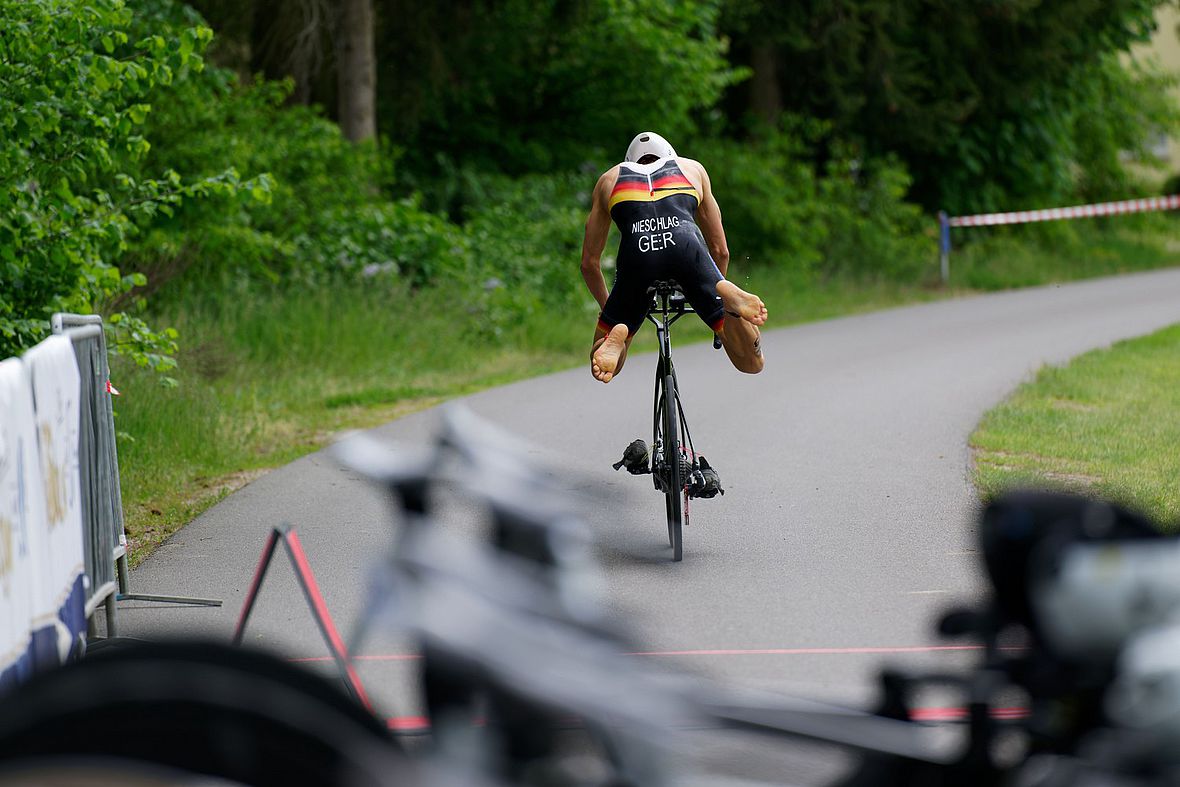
x=671 y=228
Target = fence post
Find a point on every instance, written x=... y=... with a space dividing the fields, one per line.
x=944 y=246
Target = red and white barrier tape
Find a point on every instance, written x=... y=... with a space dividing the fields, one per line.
x=1077 y=212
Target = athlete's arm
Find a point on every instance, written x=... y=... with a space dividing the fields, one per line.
x=594 y=241
x=709 y=220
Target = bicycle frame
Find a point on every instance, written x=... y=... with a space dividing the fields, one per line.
x=668 y=306
x=673 y=459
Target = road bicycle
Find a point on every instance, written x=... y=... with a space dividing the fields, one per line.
x=675 y=467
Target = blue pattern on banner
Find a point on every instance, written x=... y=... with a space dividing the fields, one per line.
x=17 y=672
x=73 y=615
x=43 y=651
x=73 y=612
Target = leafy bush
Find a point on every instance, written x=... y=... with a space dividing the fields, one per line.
x=1121 y=108
x=393 y=239
x=1065 y=143
x=871 y=230
x=851 y=218
x=525 y=236
x=73 y=88
x=996 y=105
x=1171 y=185
x=327 y=215
x=768 y=196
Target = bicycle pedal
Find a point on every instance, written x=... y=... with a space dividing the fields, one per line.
x=636 y=458
x=704 y=481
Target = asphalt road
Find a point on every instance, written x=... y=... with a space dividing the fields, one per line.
x=847 y=526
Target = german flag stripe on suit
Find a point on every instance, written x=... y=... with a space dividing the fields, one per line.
x=632 y=190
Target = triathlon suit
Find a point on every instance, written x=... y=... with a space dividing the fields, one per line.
x=653 y=206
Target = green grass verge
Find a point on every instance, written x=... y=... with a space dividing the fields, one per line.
x=1106 y=424
x=268 y=375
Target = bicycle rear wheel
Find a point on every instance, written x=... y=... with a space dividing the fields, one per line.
x=675 y=487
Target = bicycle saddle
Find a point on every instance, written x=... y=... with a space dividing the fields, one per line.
x=670 y=288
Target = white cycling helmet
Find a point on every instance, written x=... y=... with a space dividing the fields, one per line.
x=649 y=143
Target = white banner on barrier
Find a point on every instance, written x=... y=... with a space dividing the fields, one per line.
x=57 y=405
x=22 y=520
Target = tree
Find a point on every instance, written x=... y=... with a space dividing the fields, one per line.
x=356 y=70
x=522 y=86
x=513 y=85
x=325 y=47
x=983 y=101
x=291 y=39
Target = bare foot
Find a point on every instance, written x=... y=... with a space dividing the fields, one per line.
x=605 y=360
x=742 y=304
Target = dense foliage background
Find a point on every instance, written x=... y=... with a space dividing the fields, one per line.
x=146 y=159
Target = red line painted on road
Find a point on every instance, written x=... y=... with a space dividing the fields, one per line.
x=420 y=725
x=721 y=652
x=377 y=657
x=961 y=714
x=408 y=723
x=810 y=651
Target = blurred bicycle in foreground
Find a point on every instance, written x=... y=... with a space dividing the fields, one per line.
x=525 y=679
x=514 y=635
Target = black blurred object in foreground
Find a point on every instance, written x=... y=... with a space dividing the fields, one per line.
x=1023 y=531
x=198 y=708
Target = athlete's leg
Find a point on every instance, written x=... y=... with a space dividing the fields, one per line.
x=734 y=315
x=621 y=317
x=609 y=350
x=743 y=344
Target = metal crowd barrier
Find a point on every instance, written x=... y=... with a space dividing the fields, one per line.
x=105 y=542
x=98 y=466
